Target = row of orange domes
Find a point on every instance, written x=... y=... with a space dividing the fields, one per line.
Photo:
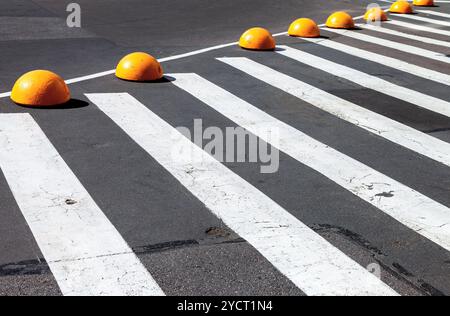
x=261 y=39
x=41 y=88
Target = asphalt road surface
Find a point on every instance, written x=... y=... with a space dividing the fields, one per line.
x=92 y=200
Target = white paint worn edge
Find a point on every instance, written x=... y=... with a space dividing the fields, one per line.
x=409 y=207
x=84 y=251
x=312 y=264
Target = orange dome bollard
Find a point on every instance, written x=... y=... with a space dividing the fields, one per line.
x=401 y=7
x=257 y=39
x=304 y=28
x=40 y=88
x=375 y=15
x=424 y=3
x=340 y=20
x=139 y=67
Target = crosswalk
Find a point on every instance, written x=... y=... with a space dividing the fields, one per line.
x=409 y=207
x=299 y=253
x=441 y=14
x=410 y=49
x=368 y=81
x=88 y=255
x=385 y=61
x=418 y=27
x=83 y=249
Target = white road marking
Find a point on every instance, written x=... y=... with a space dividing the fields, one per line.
x=314 y=265
x=384 y=60
x=444 y=15
x=418 y=27
x=422 y=39
x=85 y=253
x=94 y=76
x=368 y=81
x=391 y=44
x=411 y=208
x=424 y=19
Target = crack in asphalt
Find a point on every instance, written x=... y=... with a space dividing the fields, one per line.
x=394 y=269
x=40 y=265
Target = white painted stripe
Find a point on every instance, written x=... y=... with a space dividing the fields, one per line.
x=441 y=14
x=90 y=77
x=418 y=27
x=368 y=81
x=312 y=264
x=435 y=1
x=391 y=44
x=85 y=253
x=424 y=19
x=422 y=39
x=384 y=60
x=409 y=207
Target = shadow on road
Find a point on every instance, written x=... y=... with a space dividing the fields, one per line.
x=72 y=104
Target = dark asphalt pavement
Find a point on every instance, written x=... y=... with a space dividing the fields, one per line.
x=187 y=249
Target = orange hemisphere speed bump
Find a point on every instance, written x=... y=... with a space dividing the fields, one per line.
x=304 y=28
x=424 y=3
x=401 y=7
x=40 y=88
x=375 y=15
x=340 y=20
x=140 y=67
x=257 y=38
